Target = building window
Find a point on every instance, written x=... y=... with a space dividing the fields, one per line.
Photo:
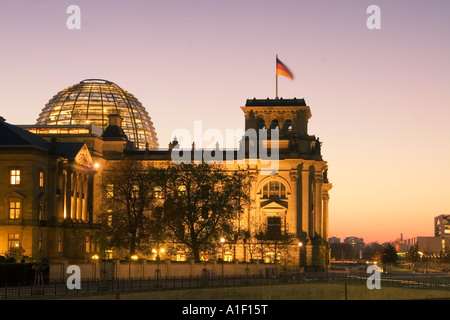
x=41 y=242
x=41 y=179
x=14 y=176
x=59 y=243
x=181 y=190
x=158 y=193
x=88 y=243
x=13 y=240
x=273 y=227
x=228 y=256
x=108 y=254
x=135 y=191
x=288 y=125
x=109 y=191
x=14 y=209
x=110 y=218
x=274 y=189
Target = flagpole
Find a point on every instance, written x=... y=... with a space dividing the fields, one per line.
x=276 y=79
x=276 y=85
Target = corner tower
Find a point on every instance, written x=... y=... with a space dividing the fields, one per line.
x=296 y=196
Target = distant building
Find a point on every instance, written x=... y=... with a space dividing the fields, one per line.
x=334 y=240
x=442 y=226
x=426 y=245
x=354 y=241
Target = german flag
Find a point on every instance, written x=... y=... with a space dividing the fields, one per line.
x=282 y=70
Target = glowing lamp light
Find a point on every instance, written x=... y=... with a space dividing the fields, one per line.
x=134 y=257
x=222 y=240
x=96 y=165
x=300 y=244
x=95 y=257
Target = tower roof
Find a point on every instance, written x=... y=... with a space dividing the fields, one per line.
x=275 y=102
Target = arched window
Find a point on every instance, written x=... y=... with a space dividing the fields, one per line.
x=274 y=125
x=287 y=125
x=274 y=189
x=261 y=124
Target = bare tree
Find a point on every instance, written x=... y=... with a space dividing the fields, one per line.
x=127 y=203
x=202 y=203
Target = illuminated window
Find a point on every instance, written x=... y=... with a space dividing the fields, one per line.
x=228 y=256
x=14 y=176
x=109 y=191
x=110 y=218
x=41 y=179
x=88 y=243
x=181 y=255
x=274 y=189
x=13 y=240
x=181 y=190
x=14 y=209
x=158 y=193
x=204 y=256
x=270 y=257
x=108 y=254
x=135 y=191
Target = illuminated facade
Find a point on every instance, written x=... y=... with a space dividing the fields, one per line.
x=46 y=196
x=293 y=198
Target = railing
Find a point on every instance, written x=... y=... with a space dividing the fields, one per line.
x=414 y=281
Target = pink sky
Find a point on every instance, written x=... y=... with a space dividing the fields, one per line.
x=380 y=99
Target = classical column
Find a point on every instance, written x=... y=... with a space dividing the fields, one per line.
x=68 y=195
x=73 y=214
x=305 y=201
x=85 y=198
x=80 y=197
x=293 y=204
x=318 y=204
x=325 y=198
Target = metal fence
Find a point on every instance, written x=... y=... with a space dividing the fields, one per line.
x=55 y=290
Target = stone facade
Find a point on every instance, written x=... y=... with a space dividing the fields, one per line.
x=46 y=195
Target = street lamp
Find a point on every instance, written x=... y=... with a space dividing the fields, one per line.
x=222 y=240
x=300 y=244
x=158 y=259
x=94 y=259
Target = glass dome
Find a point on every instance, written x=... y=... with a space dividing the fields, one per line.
x=91 y=101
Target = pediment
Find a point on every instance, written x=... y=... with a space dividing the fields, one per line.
x=14 y=195
x=274 y=204
x=83 y=157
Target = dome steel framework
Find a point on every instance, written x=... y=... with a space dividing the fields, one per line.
x=91 y=101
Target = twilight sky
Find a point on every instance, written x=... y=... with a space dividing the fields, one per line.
x=380 y=99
